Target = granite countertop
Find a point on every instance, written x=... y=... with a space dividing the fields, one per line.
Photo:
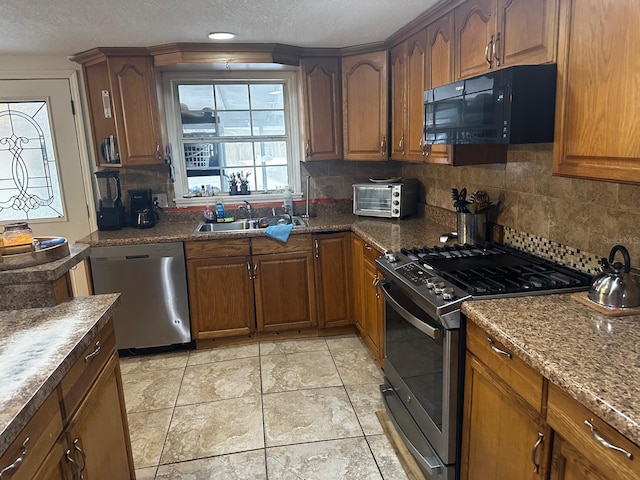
x=593 y=357
x=38 y=346
x=384 y=234
x=46 y=272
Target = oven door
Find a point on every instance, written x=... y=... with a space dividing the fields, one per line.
x=422 y=367
x=373 y=200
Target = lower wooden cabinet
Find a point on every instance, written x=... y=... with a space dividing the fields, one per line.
x=333 y=279
x=81 y=430
x=369 y=309
x=504 y=435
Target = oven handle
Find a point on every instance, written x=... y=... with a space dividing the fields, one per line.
x=412 y=319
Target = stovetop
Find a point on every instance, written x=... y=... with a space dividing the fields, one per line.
x=488 y=270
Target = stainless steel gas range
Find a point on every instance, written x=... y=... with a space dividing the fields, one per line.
x=425 y=336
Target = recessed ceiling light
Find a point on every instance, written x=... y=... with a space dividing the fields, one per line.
x=221 y=35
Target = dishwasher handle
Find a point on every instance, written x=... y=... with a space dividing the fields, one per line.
x=135 y=257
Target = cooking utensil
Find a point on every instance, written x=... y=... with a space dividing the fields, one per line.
x=615 y=286
x=460 y=200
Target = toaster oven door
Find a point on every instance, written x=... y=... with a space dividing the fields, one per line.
x=373 y=201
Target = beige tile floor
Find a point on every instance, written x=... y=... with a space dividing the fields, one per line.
x=290 y=409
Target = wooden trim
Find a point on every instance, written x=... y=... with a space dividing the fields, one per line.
x=424 y=19
x=100 y=54
x=366 y=48
x=320 y=52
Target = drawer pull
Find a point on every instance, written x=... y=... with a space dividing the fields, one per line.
x=496 y=349
x=94 y=353
x=83 y=455
x=16 y=463
x=74 y=464
x=534 y=452
x=596 y=436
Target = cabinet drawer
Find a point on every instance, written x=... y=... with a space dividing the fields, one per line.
x=42 y=430
x=296 y=243
x=76 y=383
x=370 y=253
x=217 y=248
x=567 y=417
x=518 y=375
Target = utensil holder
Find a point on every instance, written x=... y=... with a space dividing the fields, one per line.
x=472 y=227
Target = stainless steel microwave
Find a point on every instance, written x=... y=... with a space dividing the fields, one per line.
x=387 y=199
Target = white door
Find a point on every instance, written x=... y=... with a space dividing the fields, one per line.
x=42 y=177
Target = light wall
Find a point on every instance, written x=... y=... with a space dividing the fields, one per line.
x=590 y=215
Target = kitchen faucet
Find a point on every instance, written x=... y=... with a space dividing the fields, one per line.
x=248 y=209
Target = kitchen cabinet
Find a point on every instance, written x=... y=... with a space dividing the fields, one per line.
x=579 y=454
x=284 y=283
x=503 y=435
x=597 y=130
x=322 y=103
x=81 y=430
x=407 y=98
x=370 y=303
x=501 y=33
x=123 y=103
x=365 y=106
x=333 y=279
x=220 y=278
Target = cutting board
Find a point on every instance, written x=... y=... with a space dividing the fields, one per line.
x=583 y=298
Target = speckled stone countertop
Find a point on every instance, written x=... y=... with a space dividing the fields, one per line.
x=593 y=357
x=46 y=272
x=384 y=234
x=38 y=346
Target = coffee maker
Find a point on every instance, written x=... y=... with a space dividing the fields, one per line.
x=143 y=213
x=110 y=214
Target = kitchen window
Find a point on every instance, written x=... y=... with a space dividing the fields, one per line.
x=221 y=128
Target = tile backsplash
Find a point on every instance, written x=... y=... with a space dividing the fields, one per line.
x=585 y=215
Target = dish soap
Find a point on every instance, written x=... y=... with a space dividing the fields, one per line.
x=288 y=200
x=219 y=210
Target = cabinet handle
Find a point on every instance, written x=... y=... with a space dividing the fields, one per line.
x=374 y=284
x=255 y=271
x=383 y=146
x=534 y=452
x=495 y=50
x=78 y=474
x=94 y=353
x=158 y=151
x=317 y=246
x=401 y=144
x=596 y=436
x=367 y=246
x=488 y=50
x=496 y=349
x=249 y=270
x=423 y=147
x=84 y=458
x=307 y=152
x=18 y=461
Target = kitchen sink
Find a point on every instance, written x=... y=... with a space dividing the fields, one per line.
x=245 y=224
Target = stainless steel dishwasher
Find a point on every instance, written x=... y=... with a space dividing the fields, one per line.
x=152 y=279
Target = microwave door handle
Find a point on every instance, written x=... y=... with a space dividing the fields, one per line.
x=412 y=319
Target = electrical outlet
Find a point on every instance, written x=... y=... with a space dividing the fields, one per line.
x=161 y=198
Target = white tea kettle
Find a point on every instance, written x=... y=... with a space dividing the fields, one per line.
x=615 y=286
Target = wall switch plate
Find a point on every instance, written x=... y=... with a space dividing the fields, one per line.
x=161 y=198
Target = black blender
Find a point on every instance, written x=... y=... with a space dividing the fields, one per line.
x=110 y=214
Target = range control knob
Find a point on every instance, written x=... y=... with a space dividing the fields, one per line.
x=396 y=202
x=448 y=294
x=396 y=194
x=390 y=256
x=396 y=211
x=438 y=288
x=430 y=282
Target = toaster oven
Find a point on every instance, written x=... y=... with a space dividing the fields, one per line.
x=386 y=200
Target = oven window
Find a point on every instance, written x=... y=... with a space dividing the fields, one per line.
x=416 y=357
x=374 y=198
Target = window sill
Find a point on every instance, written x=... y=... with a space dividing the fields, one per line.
x=255 y=198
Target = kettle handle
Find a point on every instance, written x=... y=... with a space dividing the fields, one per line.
x=625 y=256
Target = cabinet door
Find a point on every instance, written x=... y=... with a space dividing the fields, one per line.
x=323 y=136
x=398 y=100
x=527 y=32
x=332 y=259
x=439 y=71
x=567 y=463
x=499 y=429
x=221 y=297
x=135 y=103
x=597 y=118
x=98 y=433
x=475 y=30
x=56 y=466
x=285 y=297
x=373 y=311
x=357 y=246
x=365 y=108
x=416 y=66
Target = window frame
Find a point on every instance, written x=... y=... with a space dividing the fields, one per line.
x=170 y=82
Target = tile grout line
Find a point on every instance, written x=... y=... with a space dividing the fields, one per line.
x=264 y=427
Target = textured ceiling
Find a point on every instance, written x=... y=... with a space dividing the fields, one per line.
x=65 y=27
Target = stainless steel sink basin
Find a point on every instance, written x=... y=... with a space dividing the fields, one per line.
x=246 y=224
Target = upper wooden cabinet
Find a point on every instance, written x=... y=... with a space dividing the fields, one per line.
x=365 y=106
x=121 y=92
x=597 y=118
x=499 y=33
x=408 y=63
x=323 y=120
